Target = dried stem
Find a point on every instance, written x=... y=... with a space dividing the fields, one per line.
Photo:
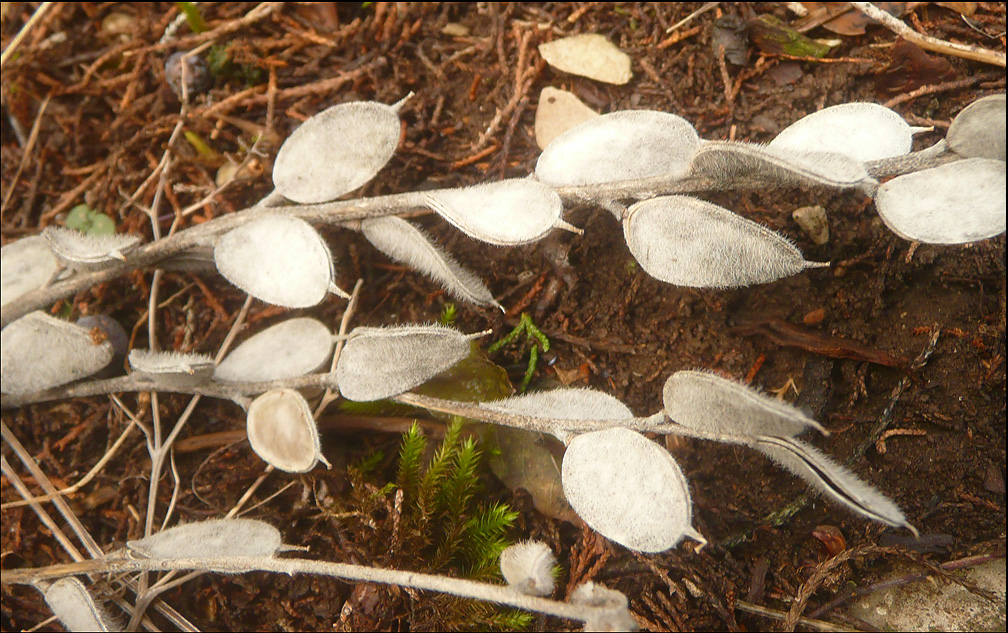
x=344 y=211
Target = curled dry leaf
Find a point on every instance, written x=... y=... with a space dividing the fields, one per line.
x=291 y=348
x=863 y=131
x=278 y=259
x=588 y=55
x=39 y=352
x=379 y=363
x=979 y=130
x=628 y=489
x=690 y=242
x=282 y=431
x=25 y=265
x=718 y=408
x=563 y=404
x=193 y=366
x=217 y=538
x=336 y=151
x=528 y=567
x=954 y=203
x=505 y=213
x=736 y=165
x=405 y=243
x=73 y=604
x=627 y=145
x=75 y=247
x=836 y=481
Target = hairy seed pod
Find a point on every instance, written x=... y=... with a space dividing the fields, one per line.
x=863 y=131
x=25 y=265
x=77 y=248
x=75 y=607
x=282 y=431
x=291 y=348
x=528 y=567
x=218 y=538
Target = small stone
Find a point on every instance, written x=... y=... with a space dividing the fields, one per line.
x=590 y=55
x=815 y=317
x=454 y=29
x=117 y=23
x=198 y=77
x=558 y=111
x=813 y=221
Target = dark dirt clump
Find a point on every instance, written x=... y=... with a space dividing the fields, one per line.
x=87 y=118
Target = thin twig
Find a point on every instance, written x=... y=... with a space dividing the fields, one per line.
x=32 y=21
x=927 y=42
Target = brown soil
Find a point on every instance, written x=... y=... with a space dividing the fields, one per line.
x=612 y=327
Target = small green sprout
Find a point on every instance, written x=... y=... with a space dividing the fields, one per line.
x=534 y=336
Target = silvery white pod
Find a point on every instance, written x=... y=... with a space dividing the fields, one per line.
x=291 y=348
x=690 y=242
x=628 y=489
x=282 y=431
x=218 y=538
x=379 y=363
x=77 y=248
x=954 y=203
x=25 y=265
x=278 y=259
x=627 y=145
x=979 y=130
x=505 y=213
x=736 y=165
x=39 y=352
x=73 y=604
x=336 y=151
x=569 y=403
x=863 y=131
x=528 y=567
x=718 y=408
x=832 y=479
x=405 y=243
x=611 y=613
x=171 y=364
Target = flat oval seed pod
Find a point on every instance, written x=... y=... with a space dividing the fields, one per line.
x=528 y=567
x=505 y=213
x=626 y=145
x=25 y=265
x=282 y=430
x=75 y=247
x=190 y=366
x=863 y=131
x=336 y=151
x=954 y=203
x=217 y=538
x=73 y=604
x=716 y=407
x=569 y=403
x=291 y=348
x=690 y=242
x=834 y=480
x=737 y=165
x=979 y=130
x=628 y=489
x=405 y=243
x=616 y=617
x=39 y=352
x=280 y=260
x=379 y=363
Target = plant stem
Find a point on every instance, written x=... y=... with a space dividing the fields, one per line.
x=344 y=211
x=122 y=563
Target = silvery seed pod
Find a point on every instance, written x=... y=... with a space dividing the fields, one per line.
x=863 y=131
x=25 y=265
x=279 y=259
x=337 y=151
x=81 y=249
x=291 y=348
x=217 y=538
x=168 y=365
x=378 y=363
x=528 y=567
x=979 y=130
x=39 y=352
x=282 y=431
x=75 y=607
x=628 y=489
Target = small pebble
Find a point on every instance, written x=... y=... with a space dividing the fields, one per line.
x=815 y=317
x=454 y=29
x=198 y=77
x=813 y=221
